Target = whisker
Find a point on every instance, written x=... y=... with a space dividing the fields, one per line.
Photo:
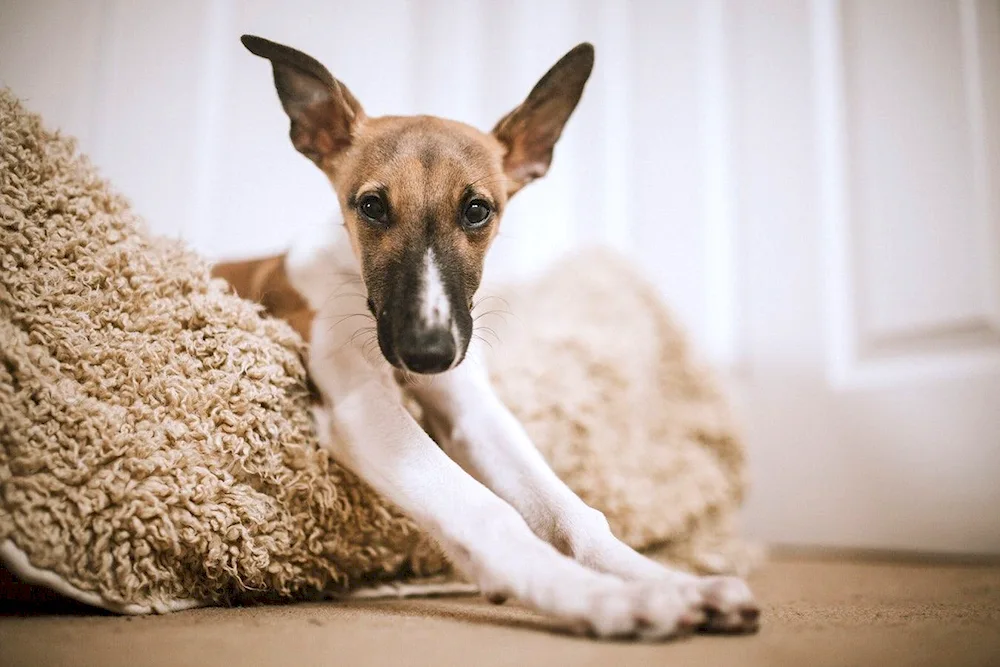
x=362 y=331
x=345 y=295
x=345 y=318
x=349 y=281
x=369 y=345
x=487 y=297
x=500 y=313
x=411 y=379
x=338 y=286
x=489 y=331
x=484 y=341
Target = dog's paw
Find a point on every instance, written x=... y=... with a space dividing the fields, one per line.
x=648 y=611
x=728 y=604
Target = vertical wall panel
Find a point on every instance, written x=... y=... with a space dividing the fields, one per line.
x=908 y=192
x=50 y=56
x=666 y=208
x=981 y=26
x=911 y=170
x=613 y=182
x=721 y=338
x=145 y=136
x=543 y=218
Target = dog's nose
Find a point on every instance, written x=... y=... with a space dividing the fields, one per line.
x=427 y=351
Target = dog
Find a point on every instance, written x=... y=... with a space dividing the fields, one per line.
x=421 y=199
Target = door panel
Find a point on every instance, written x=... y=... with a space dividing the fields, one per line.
x=873 y=388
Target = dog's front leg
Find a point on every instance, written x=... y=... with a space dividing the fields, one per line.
x=480 y=433
x=483 y=536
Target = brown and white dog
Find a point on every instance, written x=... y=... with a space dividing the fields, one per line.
x=421 y=200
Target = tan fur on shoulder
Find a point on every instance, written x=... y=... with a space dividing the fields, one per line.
x=265 y=281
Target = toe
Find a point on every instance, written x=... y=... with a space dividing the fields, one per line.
x=729 y=606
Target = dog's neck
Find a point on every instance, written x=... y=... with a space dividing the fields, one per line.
x=318 y=277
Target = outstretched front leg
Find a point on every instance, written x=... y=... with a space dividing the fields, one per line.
x=479 y=433
x=484 y=537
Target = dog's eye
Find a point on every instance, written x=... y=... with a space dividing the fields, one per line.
x=477 y=212
x=372 y=207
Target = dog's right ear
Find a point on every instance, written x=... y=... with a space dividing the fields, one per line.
x=323 y=111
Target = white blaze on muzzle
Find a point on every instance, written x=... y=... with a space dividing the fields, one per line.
x=435 y=309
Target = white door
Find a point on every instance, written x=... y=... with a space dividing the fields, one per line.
x=870 y=207
x=812 y=184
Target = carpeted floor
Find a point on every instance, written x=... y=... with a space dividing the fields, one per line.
x=817 y=611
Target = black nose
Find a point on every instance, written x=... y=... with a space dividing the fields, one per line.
x=427 y=351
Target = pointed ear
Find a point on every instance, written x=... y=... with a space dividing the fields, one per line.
x=323 y=111
x=530 y=131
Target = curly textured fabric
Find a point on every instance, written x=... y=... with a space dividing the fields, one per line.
x=156 y=445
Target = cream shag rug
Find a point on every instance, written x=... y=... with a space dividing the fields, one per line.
x=156 y=449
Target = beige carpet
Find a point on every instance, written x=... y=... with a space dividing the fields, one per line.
x=834 y=611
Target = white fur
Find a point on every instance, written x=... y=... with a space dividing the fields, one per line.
x=485 y=493
x=434 y=307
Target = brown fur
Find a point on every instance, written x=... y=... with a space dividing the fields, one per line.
x=266 y=282
x=426 y=167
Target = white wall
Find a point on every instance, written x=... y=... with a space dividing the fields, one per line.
x=813 y=185
x=186 y=122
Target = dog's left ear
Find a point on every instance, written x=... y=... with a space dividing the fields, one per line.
x=530 y=131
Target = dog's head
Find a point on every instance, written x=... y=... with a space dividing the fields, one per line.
x=421 y=196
